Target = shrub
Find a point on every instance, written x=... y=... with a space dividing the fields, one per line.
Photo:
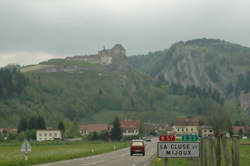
x=12 y=136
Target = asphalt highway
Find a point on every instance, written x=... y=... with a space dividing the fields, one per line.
x=117 y=158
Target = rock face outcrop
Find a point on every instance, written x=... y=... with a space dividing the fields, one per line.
x=244 y=100
x=115 y=55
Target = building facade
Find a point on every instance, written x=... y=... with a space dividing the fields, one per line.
x=130 y=127
x=48 y=135
x=206 y=131
x=185 y=125
x=86 y=129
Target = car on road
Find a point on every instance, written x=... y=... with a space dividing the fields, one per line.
x=148 y=139
x=137 y=147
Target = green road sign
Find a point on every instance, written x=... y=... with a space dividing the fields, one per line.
x=190 y=138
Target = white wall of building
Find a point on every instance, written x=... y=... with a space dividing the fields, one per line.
x=48 y=135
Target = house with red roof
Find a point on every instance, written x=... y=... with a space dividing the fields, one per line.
x=130 y=127
x=86 y=129
x=236 y=129
x=8 y=130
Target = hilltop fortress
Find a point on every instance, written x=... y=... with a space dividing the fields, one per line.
x=115 y=55
x=113 y=59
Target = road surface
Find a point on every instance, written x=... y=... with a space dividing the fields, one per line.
x=117 y=158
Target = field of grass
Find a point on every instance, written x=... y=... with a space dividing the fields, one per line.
x=10 y=154
x=244 y=156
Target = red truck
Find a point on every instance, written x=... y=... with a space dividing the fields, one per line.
x=137 y=146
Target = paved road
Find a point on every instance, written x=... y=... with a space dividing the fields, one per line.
x=118 y=158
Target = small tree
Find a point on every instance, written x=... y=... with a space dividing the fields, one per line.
x=241 y=132
x=1 y=137
x=22 y=126
x=61 y=127
x=41 y=123
x=33 y=123
x=116 y=132
x=104 y=135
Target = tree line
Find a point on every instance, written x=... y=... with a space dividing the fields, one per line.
x=34 y=122
x=12 y=82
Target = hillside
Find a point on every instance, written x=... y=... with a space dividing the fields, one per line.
x=83 y=91
x=206 y=63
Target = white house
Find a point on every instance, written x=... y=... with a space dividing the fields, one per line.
x=206 y=131
x=48 y=134
x=185 y=125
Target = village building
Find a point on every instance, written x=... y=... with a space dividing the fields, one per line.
x=130 y=127
x=236 y=129
x=6 y=131
x=185 y=125
x=86 y=129
x=206 y=131
x=48 y=134
x=162 y=128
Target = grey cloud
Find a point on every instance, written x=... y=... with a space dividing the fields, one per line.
x=64 y=28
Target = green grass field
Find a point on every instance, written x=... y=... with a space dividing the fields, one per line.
x=244 y=156
x=10 y=154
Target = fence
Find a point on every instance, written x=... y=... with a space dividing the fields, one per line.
x=211 y=152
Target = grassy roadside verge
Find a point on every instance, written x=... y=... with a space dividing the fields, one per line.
x=10 y=154
x=244 y=156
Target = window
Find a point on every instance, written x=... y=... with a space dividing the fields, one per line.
x=40 y=134
x=182 y=129
x=50 y=134
x=45 y=134
x=186 y=129
x=211 y=131
x=205 y=130
x=137 y=143
x=178 y=129
x=55 y=134
x=192 y=129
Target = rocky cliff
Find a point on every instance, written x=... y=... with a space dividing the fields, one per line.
x=206 y=63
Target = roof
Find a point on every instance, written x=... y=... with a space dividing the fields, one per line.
x=9 y=130
x=129 y=124
x=185 y=121
x=94 y=127
x=48 y=129
x=206 y=127
x=237 y=128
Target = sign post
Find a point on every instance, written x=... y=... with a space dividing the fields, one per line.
x=26 y=148
x=170 y=138
x=166 y=162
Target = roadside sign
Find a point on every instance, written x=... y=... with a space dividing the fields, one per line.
x=167 y=138
x=26 y=146
x=178 y=149
x=190 y=137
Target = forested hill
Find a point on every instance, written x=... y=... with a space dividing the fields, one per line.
x=206 y=63
x=97 y=97
x=170 y=84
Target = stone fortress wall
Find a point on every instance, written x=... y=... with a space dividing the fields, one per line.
x=106 y=56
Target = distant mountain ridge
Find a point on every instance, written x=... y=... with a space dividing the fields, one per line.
x=206 y=63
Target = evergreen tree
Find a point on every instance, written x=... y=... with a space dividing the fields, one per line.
x=22 y=126
x=41 y=123
x=116 y=132
x=33 y=123
x=241 y=132
x=61 y=127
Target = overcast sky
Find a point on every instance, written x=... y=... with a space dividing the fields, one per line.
x=36 y=30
